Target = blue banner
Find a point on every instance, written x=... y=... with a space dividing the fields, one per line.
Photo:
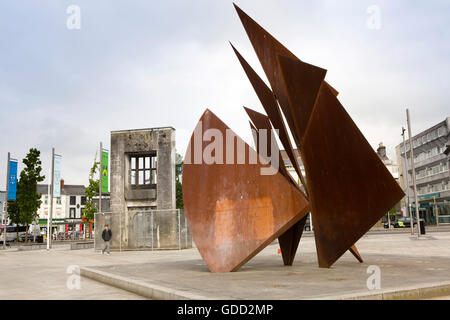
x=12 y=180
x=57 y=177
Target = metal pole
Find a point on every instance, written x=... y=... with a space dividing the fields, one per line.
x=408 y=204
x=6 y=203
x=389 y=220
x=99 y=193
x=179 y=230
x=50 y=214
x=100 y=180
x=413 y=173
x=48 y=203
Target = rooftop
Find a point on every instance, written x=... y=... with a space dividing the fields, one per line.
x=144 y=129
x=68 y=190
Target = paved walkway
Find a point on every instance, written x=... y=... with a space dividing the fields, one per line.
x=403 y=260
x=39 y=274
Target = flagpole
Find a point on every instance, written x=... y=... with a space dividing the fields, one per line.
x=48 y=208
x=100 y=179
x=51 y=199
x=6 y=203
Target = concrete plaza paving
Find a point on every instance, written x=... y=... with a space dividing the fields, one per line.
x=405 y=264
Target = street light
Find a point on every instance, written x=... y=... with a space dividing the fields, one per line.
x=408 y=204
x=411 y=148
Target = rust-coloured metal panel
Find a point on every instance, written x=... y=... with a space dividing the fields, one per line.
x=302 y=82
x=289 y=241
x=267 y=49
x=233 y=210
x=350 y=187
x=261 y=121
x=355 y=253
x=270 y=105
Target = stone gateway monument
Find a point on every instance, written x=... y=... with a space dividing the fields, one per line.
x=143 y=212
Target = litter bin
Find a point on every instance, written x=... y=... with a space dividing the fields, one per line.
x=422 y=226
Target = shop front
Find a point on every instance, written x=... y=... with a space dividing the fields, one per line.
x=434 y=210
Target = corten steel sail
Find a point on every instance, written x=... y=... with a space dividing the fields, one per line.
x=233 y=210
x=350 y=187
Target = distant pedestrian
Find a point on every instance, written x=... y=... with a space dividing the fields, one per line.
x=106 y=236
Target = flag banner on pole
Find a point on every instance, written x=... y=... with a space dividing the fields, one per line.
x=105 y=172
x=57 y=177
x=12 y=180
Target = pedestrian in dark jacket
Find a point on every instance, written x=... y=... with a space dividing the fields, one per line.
x=106 y=236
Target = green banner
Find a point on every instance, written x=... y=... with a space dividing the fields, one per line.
x=105 y=172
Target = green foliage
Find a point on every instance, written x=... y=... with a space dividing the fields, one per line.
x=13 y=212
x=92 y=190
x=28 y=199
x=178 y=183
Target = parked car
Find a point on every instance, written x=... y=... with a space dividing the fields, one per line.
x=30 y=237
x=404 y=223
x=11 y=233
x=401 y=223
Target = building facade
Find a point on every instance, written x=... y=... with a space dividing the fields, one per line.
x=67 y=209
x=392 y=166
x=432 y=173
x=143 y=198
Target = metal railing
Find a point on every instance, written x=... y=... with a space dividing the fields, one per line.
x=146 y=230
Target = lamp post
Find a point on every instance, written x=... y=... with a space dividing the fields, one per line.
x=413 y=172
x=6 y=203
x=50 y=213
x=408 y=204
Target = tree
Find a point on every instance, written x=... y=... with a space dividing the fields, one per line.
x=178 y=183
x=28 y=199
x=92 y=190
x=14 y=215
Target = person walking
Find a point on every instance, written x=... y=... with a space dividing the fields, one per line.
x=106 y=236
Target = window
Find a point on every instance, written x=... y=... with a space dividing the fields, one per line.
x=83 y=201
x=58 y=200
x=72 y=200
x=143 y=171
x=72 y=213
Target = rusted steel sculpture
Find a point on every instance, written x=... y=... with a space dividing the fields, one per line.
x=234 y=211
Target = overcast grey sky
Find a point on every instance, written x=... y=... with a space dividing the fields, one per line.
x=140 y=64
